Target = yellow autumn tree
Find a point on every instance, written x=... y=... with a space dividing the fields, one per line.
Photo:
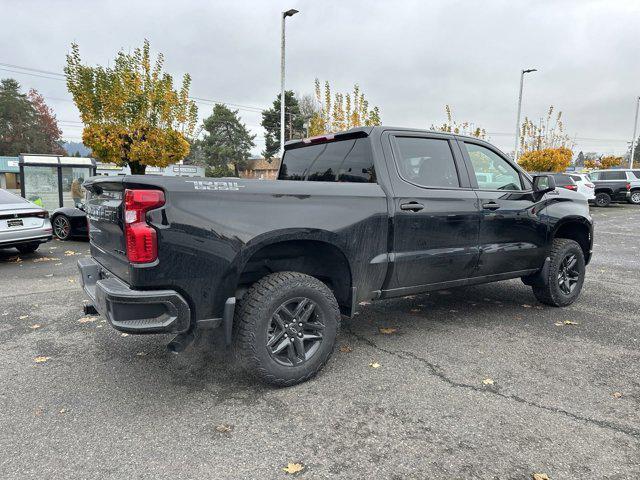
x=341 y=111
x=463 y=128
x=546 y=160
x=610 y=161
x=131 y=111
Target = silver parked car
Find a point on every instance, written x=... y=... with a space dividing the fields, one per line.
x=23 y=224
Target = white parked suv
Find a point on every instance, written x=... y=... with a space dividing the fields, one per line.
x=632 y=176
x=585 y=185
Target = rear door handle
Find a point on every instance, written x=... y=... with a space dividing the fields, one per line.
x=491 y=206
x=411 y=206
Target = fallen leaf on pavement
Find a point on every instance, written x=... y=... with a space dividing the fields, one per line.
x=559 y=324
x=71 y=280
x=617 y=394
x=488 y=381
x=64 y=410
x=34 y=326
x=569 y=322
x=292 y=468
x=49 y=275
x=375 y=365
x=346 y=349
x=22 y=317
x=224 y=428
x=41 y=359
x=14 y=259
x=87 y=319
x=44 y=259
x=68 y=253
x=124 y=334
x=540 y=476
x=526 y=306
x=387 y=330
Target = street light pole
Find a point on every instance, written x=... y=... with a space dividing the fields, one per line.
x=634 y=139
x=288 y=13
x=515 y=151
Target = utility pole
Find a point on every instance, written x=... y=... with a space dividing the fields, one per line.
x=634 y=140
x=517 y=146
x=288 y=13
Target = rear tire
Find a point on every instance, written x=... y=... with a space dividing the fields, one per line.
x=602 y=199
x=566 y=274
x=635 y=198
x=28 y=248
x=62 y=227
x=285 y=328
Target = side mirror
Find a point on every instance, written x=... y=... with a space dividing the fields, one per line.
x=544 y=183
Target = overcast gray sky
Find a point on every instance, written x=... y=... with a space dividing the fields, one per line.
x=410 y=57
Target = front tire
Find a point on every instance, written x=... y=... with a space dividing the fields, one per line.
x=62 y=227
x=635 y=198
x=566 y=274
x=602 y=199
x=286 y=327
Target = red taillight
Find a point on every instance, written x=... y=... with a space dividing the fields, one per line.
x=571 y=187
x=142 y=245
x=628 y=186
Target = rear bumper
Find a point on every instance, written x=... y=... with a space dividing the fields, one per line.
x=133 y=311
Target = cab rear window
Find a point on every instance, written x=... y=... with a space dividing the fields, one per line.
x=341 y=161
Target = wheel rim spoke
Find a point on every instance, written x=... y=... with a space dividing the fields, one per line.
x=295 y=331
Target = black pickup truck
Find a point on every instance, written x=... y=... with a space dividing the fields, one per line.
x=370 y=213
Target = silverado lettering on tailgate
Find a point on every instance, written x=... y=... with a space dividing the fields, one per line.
x=215 y=185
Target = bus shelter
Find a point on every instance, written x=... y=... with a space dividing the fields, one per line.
x=53 y=181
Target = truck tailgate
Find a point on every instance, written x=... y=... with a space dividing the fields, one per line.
x=104 y=210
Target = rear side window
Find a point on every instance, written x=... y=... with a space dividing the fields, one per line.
x=613 y=175
x=576 y=178
x=564 y=179
x=636 y=173
x=341 y=161
x=427 y=162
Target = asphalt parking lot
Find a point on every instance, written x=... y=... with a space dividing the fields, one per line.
x=480 y=382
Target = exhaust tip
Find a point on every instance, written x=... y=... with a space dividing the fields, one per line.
x=180 y=343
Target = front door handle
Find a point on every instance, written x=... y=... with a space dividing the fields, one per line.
x=491 y=206
x=411 y=206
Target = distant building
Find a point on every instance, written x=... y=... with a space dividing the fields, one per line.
x=10 y=174
x=261 y=168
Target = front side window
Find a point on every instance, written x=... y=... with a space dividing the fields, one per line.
x=427 y=162
x=492 y=171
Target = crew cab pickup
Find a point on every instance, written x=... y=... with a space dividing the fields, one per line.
x=366 y=214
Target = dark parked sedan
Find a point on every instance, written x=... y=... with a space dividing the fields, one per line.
x=69 y=222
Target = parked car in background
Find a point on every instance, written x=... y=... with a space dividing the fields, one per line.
x=70 y=222
x=585 y=185
x=23 y=225
x=615 y=186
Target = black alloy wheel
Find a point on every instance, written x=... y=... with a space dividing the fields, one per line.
x=568 y=274
x=294 y=334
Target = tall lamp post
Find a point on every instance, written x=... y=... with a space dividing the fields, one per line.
x=515 y=151
x=634 y=139
x=288 y=13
